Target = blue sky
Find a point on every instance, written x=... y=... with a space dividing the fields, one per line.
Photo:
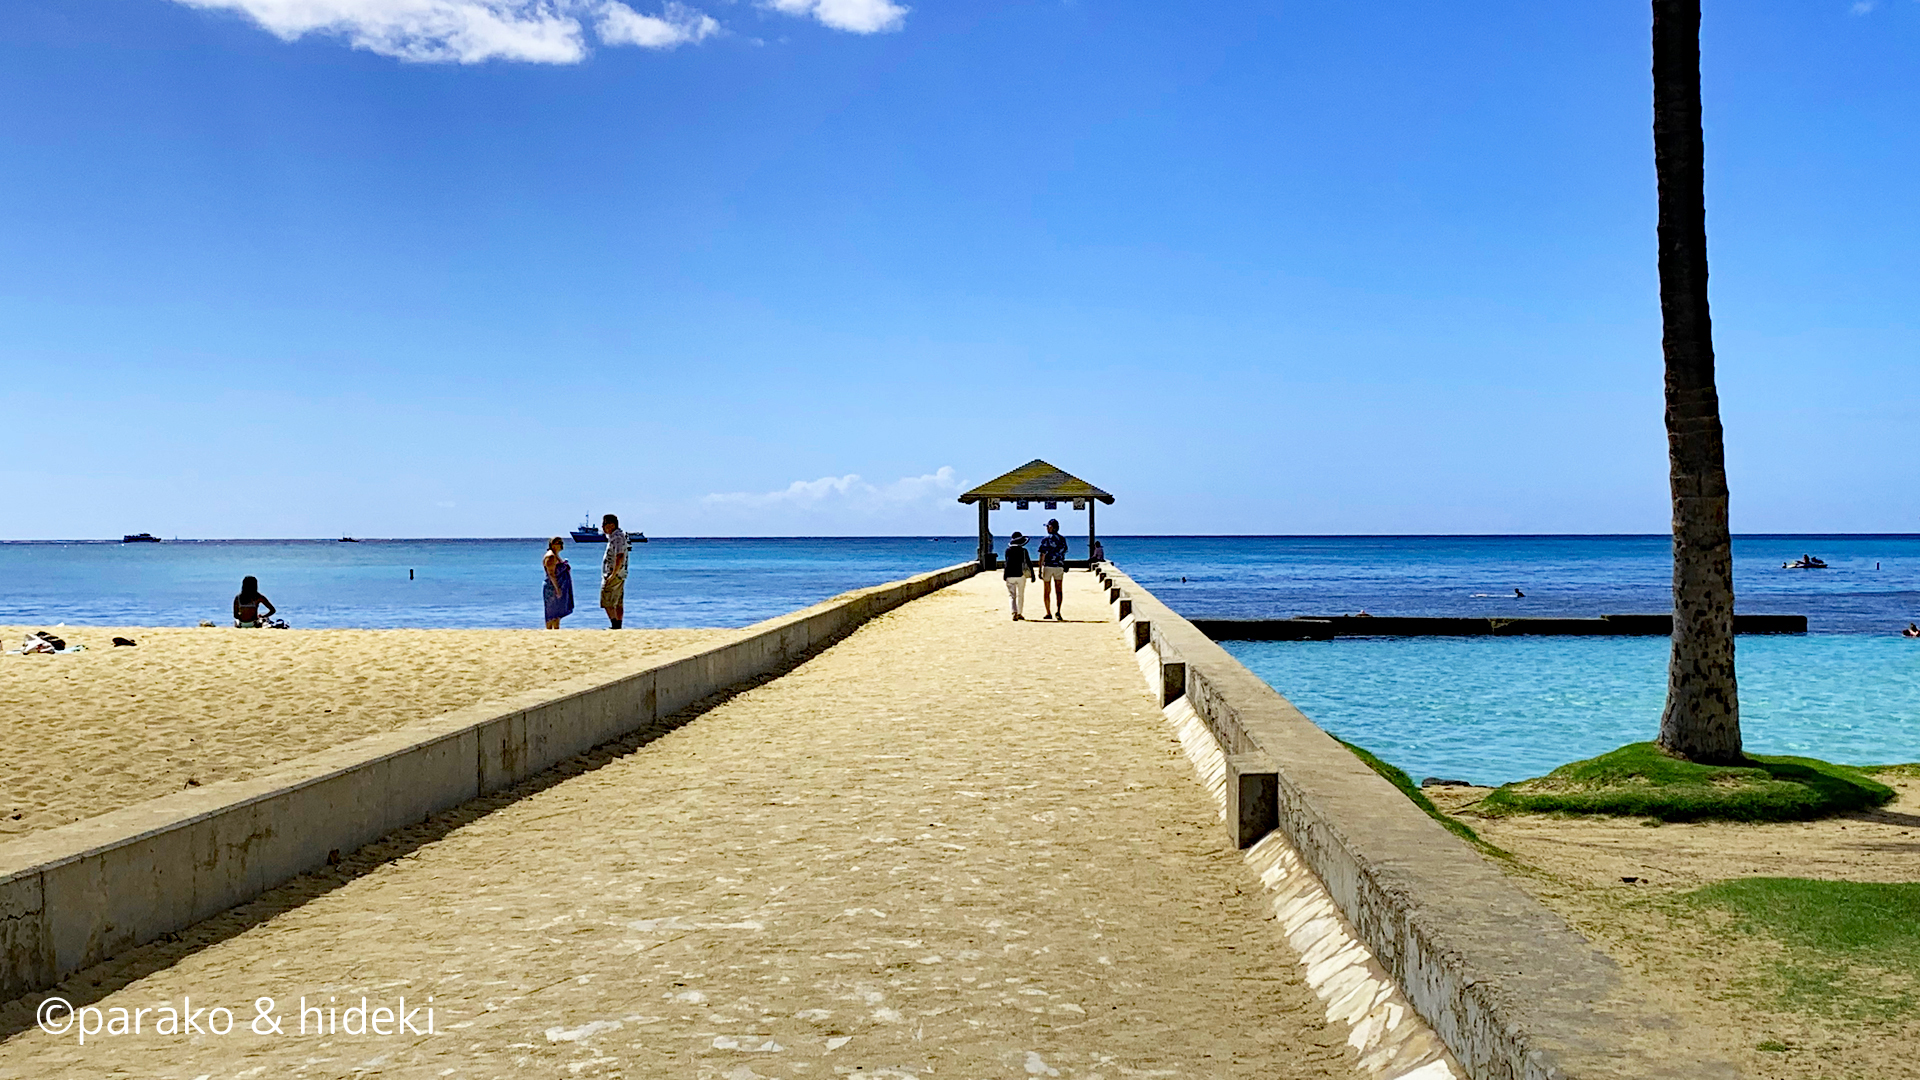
x=474 y=267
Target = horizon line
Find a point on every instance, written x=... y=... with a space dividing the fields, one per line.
x=969 y=537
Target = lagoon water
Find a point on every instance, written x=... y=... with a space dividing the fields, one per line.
x=1466 y=708
x=1492 y=710
x=1495 y=710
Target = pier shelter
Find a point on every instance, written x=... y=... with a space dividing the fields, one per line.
x=1036 y=481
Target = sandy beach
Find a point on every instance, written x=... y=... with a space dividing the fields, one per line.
x=1625 y=885
x=855 y=870
x=93 y=731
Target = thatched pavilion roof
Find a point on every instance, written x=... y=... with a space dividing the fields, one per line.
x=1036 y=480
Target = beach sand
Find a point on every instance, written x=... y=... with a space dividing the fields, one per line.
x=950 y=846
x=94 y=731
x=1623 y=884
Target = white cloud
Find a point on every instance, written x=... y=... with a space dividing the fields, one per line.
x=1861 y=7
x=535 y=31
x=849 y=492
x=856 y=16
x=441 y=31
x=678 y=24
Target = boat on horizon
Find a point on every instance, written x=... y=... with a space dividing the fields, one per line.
x=587 y=534
x=348 y=540
x=139 y=538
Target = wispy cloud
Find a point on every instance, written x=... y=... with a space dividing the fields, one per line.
x=533 y=31
x=432 y=31
x=843 y=493
x=857 y=16
x=1861 y=7
x=678 y=24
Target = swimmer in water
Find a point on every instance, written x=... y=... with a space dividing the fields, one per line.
x=1519 y=595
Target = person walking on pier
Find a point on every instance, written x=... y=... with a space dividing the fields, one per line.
x=613 y=571
x=1019 y=571
x=1053 y=571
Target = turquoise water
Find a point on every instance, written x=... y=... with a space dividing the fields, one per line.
x=1491 y=710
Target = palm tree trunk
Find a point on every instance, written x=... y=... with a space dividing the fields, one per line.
x=1701 y=720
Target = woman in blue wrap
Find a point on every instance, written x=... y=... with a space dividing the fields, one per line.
x=558 y=590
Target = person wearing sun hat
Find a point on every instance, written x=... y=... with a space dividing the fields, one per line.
x=1019 y=571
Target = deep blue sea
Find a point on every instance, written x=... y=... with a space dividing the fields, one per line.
x=1467 y=708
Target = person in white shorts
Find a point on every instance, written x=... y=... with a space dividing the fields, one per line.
x=1019 y=571
x=1053 y=570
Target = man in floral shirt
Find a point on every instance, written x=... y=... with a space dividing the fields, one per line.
x=613 y=570
x=1053 y=571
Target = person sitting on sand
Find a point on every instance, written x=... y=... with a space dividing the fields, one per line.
x=557 y=593
x=246 y=606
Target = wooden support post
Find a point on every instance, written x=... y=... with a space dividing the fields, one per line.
x=1091 y=535
x=986 y=539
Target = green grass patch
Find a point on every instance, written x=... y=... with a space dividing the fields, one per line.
x=1851 y=947
x=1398 y=778
x=1909 y=770
x=1640 y=780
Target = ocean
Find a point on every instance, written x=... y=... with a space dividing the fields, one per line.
x=1461 y=708
x=437 y=584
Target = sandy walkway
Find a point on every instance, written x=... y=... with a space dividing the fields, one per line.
x=951 y=846
x=1620 y=883
x=94 y=731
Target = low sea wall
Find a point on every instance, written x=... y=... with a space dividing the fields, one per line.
x=78 y=894
x=1514 y=992
x=1326 y=627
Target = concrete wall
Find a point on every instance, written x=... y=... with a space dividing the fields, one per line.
x=73 y=896
x=1308 y=628
x=1514 y=992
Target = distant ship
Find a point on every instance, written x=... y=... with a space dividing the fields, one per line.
x=139 y=538
x=587 y=534
x=348 y=540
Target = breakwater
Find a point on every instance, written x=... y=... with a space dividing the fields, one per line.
x=1327 y=627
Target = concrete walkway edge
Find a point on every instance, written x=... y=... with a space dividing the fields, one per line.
x=1513 y=991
